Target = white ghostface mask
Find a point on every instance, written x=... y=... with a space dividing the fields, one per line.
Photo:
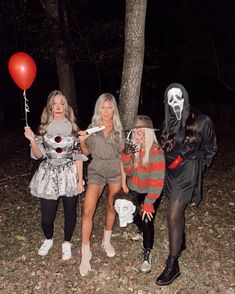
x=125 y=210
x=176 y=101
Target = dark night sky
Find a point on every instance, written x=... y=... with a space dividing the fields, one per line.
x=177 y=49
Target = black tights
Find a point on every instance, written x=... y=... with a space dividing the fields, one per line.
x=48 y=214
x=146 y=226
x=176 y=225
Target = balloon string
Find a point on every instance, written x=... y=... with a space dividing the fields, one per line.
x=26 y=107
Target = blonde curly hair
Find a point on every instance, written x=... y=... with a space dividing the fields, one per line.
x=47 y=115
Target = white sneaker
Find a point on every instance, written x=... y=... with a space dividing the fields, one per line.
x=46 y=246
x=66 y=250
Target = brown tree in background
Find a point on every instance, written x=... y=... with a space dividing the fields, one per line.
x=56 y=11
x=133 y=60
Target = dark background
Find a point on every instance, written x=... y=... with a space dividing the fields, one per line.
x=191 y=42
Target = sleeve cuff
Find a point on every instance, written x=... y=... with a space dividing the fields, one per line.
x=147 y=207
x=125 y=157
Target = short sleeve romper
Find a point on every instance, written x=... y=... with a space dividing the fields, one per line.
x=105 y=165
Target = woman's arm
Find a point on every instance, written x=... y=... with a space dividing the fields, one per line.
x=124 y=184
x=155 y=180
x=82 y=138
x=36 y=151
x=79 y=166
x=128 y=164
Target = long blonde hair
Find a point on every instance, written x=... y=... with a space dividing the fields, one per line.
x=150 y=139
x=47 y=115
x=97 y=121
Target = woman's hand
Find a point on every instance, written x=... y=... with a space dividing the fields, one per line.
x=80 y=187
x=28 y=133
x=125 y=188
x=148 y=214
x=83 y=136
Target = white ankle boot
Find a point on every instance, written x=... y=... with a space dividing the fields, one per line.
x=85 y=266
x=108 y=248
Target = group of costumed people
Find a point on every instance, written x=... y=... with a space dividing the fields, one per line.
x=135 y=169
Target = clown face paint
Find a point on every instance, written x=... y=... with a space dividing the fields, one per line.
x=176 y=101
x=125 y=210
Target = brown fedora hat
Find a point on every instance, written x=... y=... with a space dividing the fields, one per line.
x=143 y=121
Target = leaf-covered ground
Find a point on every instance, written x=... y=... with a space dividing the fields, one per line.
x=207 y=266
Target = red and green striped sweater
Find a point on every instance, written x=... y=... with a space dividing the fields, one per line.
x=146 y=179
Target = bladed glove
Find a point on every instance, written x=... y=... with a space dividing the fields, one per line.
x=130 y=147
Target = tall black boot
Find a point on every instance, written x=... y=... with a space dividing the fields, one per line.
x=170 y=272
x=183 y=245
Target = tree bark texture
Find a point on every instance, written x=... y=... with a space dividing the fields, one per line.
x=58 y=20
x=133 y=60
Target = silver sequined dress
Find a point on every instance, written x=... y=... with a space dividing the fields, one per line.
x=57 y=174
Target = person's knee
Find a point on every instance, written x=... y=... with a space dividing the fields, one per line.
x=147 y=224
x=87 y=212
x=173 y=218
x=175 y=213
x=47 y=222
x=70 y=211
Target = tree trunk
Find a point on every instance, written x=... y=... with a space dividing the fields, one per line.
x=133 y=60
x=1 y=115
x=57 y=15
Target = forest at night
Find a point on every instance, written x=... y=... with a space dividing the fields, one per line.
x=88 y=47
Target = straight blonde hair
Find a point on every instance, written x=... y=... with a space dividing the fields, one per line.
x=97 y=121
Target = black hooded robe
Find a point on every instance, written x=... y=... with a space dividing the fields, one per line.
x=185 y=181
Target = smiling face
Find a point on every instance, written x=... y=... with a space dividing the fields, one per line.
x=106 y=111
x=58 y=105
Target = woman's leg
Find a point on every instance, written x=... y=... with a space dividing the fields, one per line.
x=145 y=226
x=148 y=239
x=137 y=217
x=48 y=214
x=111 y=213
x=175 y=221
x=92 y=195
x=148 y=228
x=70 y=216
x=110 y=219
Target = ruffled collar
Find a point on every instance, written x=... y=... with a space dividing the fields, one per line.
x=59 y=127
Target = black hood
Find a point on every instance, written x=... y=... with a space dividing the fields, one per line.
x=171 y=124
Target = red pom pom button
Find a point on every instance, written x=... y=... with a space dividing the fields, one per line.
x=59 y=150
x=58 y=139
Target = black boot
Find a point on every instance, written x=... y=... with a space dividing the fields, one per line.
x=170 y=272
x=183 y=245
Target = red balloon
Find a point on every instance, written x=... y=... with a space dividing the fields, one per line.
x=22 y=69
